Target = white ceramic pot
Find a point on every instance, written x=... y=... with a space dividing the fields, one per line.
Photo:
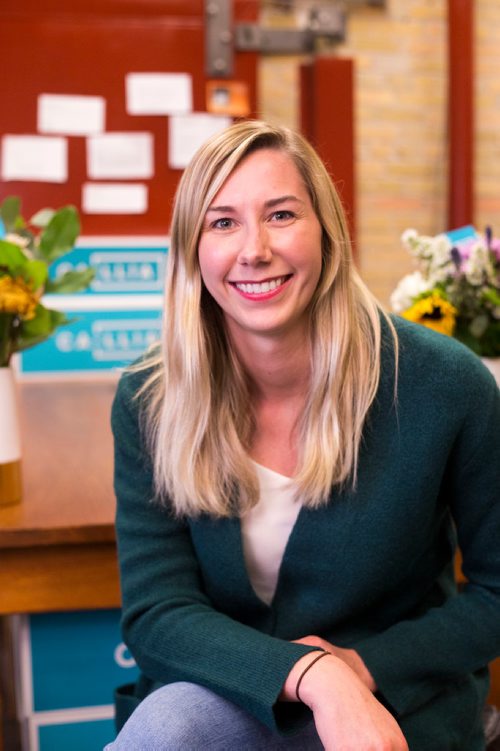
x=493 y=365
x=10 y=440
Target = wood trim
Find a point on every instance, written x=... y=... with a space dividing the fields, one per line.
x=66 y=577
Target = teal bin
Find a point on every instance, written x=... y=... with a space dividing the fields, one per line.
x=68 y=666
x=76 y=736
x=77 y=659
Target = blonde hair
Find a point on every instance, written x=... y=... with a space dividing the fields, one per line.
x=198 y=416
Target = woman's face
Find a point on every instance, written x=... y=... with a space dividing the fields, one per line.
x=260 y=247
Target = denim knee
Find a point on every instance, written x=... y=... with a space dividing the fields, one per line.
x=177 y=717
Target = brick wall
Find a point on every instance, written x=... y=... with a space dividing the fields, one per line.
x=401 y=99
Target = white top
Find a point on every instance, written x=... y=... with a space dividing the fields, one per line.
x=265 y=530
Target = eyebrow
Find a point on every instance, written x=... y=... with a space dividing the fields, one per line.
x=271 y=203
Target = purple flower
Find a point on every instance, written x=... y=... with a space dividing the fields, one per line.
x=495 y=247
x=456 y=257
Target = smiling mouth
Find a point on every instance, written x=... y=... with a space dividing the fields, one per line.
x=260 y=288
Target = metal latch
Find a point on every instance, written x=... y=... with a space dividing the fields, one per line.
x=324 y=21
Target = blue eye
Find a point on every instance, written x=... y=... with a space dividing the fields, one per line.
x=222 y=223
x=282 y=216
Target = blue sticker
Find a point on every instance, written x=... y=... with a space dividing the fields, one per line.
x=117 y=270
x=96 y=340
x=457 y=236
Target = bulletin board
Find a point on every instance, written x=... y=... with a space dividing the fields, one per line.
x=89 y=49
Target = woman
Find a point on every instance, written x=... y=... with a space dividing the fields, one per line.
x=292 y=469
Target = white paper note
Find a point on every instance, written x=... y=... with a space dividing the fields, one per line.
x=35 y=158
x=71 y=115
x=114 y=198
x=158 y=93
x=120 y=155
x=188 y=132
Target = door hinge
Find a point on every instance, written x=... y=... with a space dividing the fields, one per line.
x=222 y=38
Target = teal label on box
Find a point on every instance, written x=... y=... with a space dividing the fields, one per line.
x=78 y=659
x=96 y=340
x=117 y=269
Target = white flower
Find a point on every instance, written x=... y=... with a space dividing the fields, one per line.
x=408 y=288
x=15 y=239
x=440 y=251
x=478 y=265
x=409 y=238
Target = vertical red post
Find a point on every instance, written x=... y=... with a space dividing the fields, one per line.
x=327 y=120
x=461 y=112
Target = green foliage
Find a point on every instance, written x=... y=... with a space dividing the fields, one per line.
x=10 y=211
x=70 y=282
x=26 y=253
x=59 y=236
x=40 y=327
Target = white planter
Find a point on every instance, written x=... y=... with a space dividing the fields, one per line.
x=10 y=440
x=493 y=365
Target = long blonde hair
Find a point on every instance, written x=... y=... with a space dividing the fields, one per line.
x=198 y=416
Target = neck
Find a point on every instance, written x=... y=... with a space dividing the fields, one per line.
x=278 y=367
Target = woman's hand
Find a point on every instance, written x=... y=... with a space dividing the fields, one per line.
x=346 y=714
x=349 y=656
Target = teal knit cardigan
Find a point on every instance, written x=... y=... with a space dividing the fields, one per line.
x=373 y=570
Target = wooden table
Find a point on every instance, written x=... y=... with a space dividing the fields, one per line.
x=57 y=548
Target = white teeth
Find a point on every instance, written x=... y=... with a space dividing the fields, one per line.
x=260 y=288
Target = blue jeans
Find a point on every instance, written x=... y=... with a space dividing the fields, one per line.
x=188 y=717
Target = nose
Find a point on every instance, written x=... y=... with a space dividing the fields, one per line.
x=255 y=246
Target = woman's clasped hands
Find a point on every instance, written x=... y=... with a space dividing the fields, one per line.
x=339 y=691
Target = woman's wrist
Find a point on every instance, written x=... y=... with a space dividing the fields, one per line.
x=323 y=653
x=298 y=674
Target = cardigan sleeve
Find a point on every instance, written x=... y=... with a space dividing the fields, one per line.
x=415 y=659
x=168 y=622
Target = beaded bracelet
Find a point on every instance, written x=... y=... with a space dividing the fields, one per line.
x=323 y=653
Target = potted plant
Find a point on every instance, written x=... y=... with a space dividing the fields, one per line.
x=455 y=288
x=27 y=250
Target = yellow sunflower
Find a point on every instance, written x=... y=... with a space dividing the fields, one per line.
x=17 y=298
x=433 y=312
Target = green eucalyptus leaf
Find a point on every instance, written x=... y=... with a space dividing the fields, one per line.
x=9 y=212
x=12 y=257
x=35 y=273
x=42 y=217
x=39 y=328
x=71 y=281
x=60 y=235
x=493 y=296
x=478 y=326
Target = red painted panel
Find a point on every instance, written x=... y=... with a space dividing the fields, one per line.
x=307 y=101
x=87 y=47
x=461 y=112
x=327 y=119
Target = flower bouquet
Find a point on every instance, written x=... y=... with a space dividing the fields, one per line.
x=455 y=288
x=27 y=249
